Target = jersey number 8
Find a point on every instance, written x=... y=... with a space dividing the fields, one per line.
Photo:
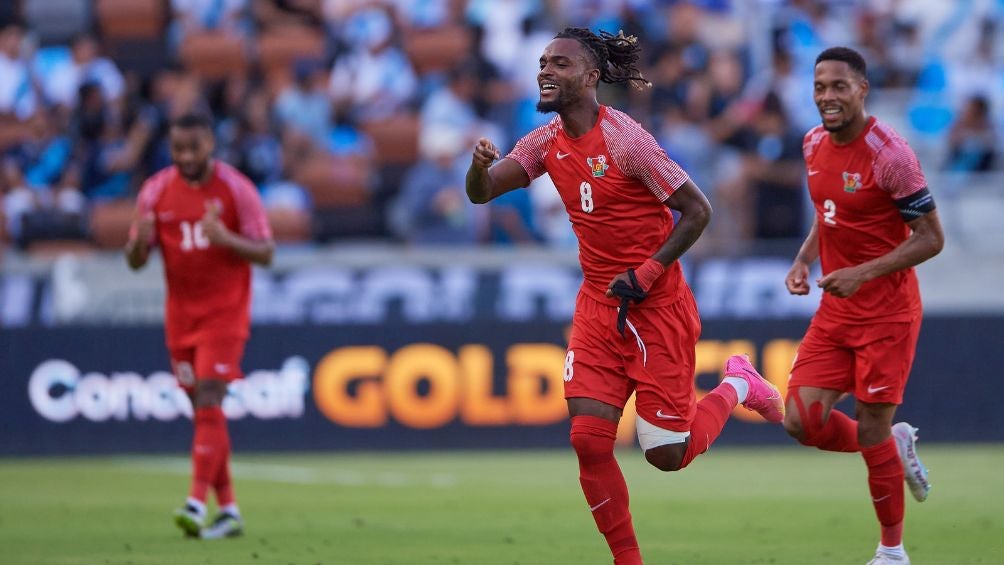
x=586 y=194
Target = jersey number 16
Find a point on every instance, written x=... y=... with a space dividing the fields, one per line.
x=192 y=237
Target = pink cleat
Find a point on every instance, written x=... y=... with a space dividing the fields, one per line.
x=763 y=397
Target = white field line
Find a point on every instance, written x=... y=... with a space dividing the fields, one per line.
x=292 y=474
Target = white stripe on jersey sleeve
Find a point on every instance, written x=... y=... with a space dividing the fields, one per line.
x=639 y=155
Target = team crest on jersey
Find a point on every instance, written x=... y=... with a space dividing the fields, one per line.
x=598 y=165
x=852 y=181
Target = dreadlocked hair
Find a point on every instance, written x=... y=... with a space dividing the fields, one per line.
x=615 y=55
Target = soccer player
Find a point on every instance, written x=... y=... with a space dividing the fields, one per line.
x=636 y=325
x=209 y=224
x=875 y=219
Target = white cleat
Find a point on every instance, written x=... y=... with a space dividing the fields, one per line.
x=225 y=525
x=886 y=559
x=915 y=471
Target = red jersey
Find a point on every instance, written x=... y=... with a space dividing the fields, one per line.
x=854 y=188
x=208 y=287
x=613 y=181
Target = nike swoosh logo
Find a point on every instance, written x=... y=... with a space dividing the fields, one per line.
x=811 y=172
x=881 y=499
x=593 y=508
x=659 y=414
x=561 y=155
x=221 y=367
x=873 y=390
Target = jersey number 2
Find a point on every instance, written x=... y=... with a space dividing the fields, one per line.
x=830 y=213
x=192 y=237
x=586 y=194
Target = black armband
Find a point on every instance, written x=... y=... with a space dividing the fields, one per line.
x=918 y=204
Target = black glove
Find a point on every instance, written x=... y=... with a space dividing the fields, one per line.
x=627 y=293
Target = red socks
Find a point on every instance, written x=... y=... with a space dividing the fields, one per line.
x=604 y=486
x=712 y=412
x=211 y=456
x=885 y=481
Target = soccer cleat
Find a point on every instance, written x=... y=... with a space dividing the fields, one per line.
x=882 y=558
x=763 y=397
x=189 y=520
x=914 y=471
x=225 y=525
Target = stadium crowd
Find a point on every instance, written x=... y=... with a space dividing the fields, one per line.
x=356 y=118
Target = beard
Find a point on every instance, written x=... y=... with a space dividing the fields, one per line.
x=549 y=106
x=565 y=99
x=836 y=127
x=195 y=173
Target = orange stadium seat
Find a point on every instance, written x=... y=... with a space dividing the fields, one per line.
x=130 y=19
x=438 y=49
x=214 y=55
x=335 y=182
x=395 y=139
x=280 y=46
x=110 y=221
x=289 y=225
x=52 y=248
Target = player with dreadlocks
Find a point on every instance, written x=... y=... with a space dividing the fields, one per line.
x=636 y=326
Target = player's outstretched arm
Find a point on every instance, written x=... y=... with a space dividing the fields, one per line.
x=797 y=280
x=925 y=242
x=486 y=181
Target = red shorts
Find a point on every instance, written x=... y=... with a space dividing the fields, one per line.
x=870 y=360
x=213 y=360
x=654 y=358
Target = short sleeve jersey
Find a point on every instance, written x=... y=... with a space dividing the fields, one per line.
x=208 y=287
x=613 y=181
x=854 y=188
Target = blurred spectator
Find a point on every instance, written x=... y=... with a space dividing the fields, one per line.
x=64 y=77
x=432 y=207
x=511 y=219
x=225 y=16
x=17 y=93
x=972 y=140
x=374 y=79
x=765 y=199
x=258 y=153
x=304 y=104
x=109 y=152
x=550 y=216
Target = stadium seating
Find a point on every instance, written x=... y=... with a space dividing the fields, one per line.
x=280 y=46
x=335 y=182
x=130 y=19
x=438 y=49
x=395 y=139
x=213 y=55
x=109 y=223
x=289 y=225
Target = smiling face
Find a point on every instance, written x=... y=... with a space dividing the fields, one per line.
x=839 y=93
x=191 y=151
x=567 y=74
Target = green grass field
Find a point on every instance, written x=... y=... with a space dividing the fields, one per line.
x=731 y=506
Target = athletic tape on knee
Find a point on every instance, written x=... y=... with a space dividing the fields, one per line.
x=650 y=435
x=812 y=420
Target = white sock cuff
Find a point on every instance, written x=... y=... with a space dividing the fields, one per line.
x=198 y=505
x=742 y=387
